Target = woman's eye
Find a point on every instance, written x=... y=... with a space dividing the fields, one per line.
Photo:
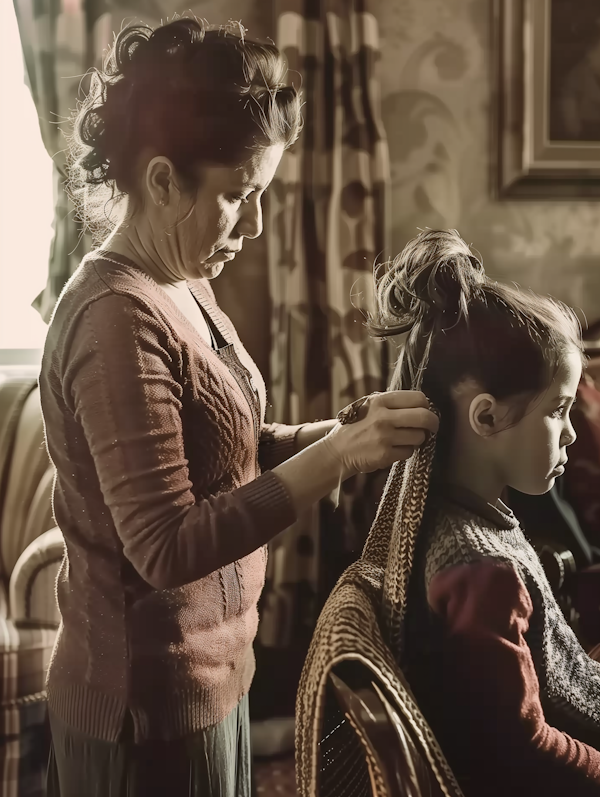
x=240 y=198
x=560 y=412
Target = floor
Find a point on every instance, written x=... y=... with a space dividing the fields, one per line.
x=275 y=777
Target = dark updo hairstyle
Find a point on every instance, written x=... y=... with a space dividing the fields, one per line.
x=186 y=90
x=461 y=325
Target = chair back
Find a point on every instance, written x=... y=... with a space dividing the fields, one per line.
x=396 y=767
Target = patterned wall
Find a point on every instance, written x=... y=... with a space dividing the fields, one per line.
x=437 y=98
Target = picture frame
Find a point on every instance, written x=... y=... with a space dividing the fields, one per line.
x=548 y=99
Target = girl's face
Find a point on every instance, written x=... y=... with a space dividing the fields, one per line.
x=533 y=452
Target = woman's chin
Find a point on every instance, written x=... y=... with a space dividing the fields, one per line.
x=210 y=270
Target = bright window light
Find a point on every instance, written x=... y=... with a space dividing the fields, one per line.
x=26 y=201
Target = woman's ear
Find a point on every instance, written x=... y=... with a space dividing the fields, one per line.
x=161 y=183
x=484 y=415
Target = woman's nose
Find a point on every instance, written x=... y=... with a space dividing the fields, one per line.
x=250 y=224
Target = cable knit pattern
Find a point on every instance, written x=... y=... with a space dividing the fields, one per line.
x=155 y=439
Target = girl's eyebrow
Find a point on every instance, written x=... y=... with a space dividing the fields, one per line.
x=564 y=397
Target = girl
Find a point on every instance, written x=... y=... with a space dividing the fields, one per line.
x=497 y=672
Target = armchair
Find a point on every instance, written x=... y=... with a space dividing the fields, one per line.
x=30 y=554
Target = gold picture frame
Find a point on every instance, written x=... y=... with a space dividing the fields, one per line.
x=548 y=144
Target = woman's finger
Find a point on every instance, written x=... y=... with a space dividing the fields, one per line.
x=401 y=399
x=407 y=437
x=400 y=453
x=417 y=418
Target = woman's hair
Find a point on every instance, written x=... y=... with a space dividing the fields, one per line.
x=191 y=92
x=462 y=325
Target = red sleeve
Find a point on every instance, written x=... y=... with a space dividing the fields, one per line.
x=119 y=384
x=508 y=747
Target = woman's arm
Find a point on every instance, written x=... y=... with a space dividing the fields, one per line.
x=311 y=432
x=120 y=383
x=492 y=711
x=279 y=441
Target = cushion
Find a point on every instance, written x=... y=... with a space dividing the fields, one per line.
x=32 y=589
x=13 y=395
x=24 y=748
x=29 y=464
x=40 y=517
x=25 y=653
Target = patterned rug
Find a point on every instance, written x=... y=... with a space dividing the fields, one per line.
x=275 y=777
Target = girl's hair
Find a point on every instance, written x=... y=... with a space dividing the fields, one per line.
x=194 y=93
x=461 y=325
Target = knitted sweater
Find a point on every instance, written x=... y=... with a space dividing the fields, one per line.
x=159 y=494
x=500 y=676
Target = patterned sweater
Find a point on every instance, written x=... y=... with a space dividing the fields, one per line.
x=500 y=676
x=159 y=494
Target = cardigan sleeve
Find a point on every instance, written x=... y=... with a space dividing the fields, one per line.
x=485 y=609
x=120 y=383
x=277 y=443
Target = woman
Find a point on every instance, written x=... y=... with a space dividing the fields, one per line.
x=154 y=421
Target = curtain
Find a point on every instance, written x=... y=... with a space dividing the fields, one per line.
x=57 y=53
x=61 y=41
x=326 y=224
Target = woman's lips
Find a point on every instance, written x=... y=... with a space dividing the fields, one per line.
x=221 y=256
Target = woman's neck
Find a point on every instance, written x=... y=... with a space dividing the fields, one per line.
x=129 y=241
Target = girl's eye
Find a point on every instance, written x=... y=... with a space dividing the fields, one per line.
x=564 y=409
x=242 y=198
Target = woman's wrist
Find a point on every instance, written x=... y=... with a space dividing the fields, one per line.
x=311 y=433
x=311 y=474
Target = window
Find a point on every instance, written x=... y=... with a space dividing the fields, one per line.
x=26 y=204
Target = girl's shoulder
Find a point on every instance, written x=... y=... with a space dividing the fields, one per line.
x=456 y=537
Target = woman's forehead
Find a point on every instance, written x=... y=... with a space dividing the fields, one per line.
x=255 y=173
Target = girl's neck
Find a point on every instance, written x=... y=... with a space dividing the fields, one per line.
x=465 y=470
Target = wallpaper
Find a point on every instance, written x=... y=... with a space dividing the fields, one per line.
x=437 y=98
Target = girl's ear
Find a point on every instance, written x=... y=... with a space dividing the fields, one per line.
x=484 y=415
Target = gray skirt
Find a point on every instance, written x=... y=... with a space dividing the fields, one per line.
x=215 y=762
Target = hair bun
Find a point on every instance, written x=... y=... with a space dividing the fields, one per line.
x=433 y=279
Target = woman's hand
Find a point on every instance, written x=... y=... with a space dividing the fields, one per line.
x=389 y=428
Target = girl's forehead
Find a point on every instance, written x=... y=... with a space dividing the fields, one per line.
x=569 y=370
x=566 y=379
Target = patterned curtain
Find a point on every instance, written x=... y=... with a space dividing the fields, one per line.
x=61 y=40
x=326 y=225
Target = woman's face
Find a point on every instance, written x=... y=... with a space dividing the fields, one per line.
x=208 y=227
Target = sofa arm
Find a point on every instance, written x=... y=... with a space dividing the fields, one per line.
x=32 y=587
